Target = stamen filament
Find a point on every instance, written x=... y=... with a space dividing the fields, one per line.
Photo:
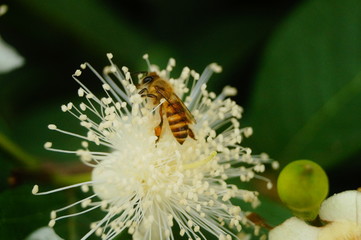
x=156 y=107
x=199 y=163
x=78 y=213
x=36 y=187
x=73 y=204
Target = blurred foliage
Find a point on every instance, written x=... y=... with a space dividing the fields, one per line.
x=311 y=75
x=296 y=66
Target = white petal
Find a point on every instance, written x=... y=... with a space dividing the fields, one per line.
x=344 y=206
x=294 y=229
x=44 y=233
x=3 y=9
x=9 y=58
x=341 y=230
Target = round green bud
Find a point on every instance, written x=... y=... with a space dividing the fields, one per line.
x=302 y=186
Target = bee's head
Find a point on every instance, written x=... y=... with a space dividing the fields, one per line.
x=147 y=78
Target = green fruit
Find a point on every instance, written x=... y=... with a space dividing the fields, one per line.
x=302 y=186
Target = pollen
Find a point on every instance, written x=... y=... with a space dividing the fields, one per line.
x=48 y=145
x=51 y=223
x=35 y=189
x=64 y=108
x=109 y=55
x=125 y=69
x=229 y=91
x=216 y=68
x=248 y=132
x=77 y=73
x=106 y=87
x=52 y=126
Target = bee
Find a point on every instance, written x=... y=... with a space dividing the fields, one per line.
x=178 y=116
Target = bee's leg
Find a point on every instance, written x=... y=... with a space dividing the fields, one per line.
x=148 y=95
x=142 y=91
x=191 y=134
x=158 y=129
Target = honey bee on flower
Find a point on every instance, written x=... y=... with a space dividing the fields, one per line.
x=177 y=113
x=170 y=154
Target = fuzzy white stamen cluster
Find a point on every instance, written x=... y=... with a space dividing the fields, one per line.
x=145 y=187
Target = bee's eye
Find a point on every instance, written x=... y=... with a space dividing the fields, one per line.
x=148 y=79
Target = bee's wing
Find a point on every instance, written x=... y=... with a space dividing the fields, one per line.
x=176 y=103
x=186 y=110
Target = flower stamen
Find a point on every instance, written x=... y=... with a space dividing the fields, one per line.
x=201 y=162
x=147 y=187
x=35 y=190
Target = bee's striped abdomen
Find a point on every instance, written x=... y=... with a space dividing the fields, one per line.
x=178 y=123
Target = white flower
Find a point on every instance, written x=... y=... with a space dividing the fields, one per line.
x=44 y=233
x=145 y=187
x=9 y=58
x=3 y=9
x=341 y=213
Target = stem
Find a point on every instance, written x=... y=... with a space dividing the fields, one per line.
x=32 y=164
x=24 y=158
x=258 y=220
x=65 y=179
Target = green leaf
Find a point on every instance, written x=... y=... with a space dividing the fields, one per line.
x=273 y=212
x=35 y=125
x=22 y=213
x=230 y=41
x=98 y=28
x=5 y=170
x=306 y=102
x=270 y=212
